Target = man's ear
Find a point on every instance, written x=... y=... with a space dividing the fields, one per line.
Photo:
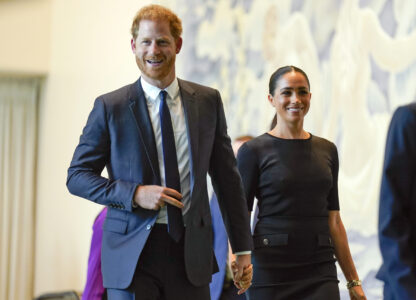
x=133 y=45
x=178 y=45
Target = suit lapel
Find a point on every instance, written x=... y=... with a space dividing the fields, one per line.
x=140 y=113
x=191 y=116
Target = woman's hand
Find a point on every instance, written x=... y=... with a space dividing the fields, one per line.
x=245 y=280
x=357 y=293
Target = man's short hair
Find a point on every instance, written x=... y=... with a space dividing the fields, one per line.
x=156 y=12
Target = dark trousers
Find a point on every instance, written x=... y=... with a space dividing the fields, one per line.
x=160 y=273
x=230 y=293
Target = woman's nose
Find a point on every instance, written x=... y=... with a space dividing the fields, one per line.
x=295 y=98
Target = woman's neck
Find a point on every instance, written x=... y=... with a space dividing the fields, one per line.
x=289 y=132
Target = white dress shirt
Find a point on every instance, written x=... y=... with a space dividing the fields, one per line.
x=177 y=114
x=174 y=102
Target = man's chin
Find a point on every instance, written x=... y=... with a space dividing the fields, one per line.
x=153 y=75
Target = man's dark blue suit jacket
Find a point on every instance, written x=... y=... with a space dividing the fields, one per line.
x=119 y=136
x=397 y=213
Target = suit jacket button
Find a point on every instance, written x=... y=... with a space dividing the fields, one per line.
x=148 y=227
x=266 y=242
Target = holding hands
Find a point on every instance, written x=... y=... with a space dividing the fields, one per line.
x=242 y=270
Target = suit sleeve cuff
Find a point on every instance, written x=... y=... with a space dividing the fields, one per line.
x=242 y=253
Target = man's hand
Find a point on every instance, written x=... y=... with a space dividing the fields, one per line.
x=155 y=197
x=242 y=272
x=245 y=281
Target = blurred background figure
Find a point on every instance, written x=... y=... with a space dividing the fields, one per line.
x=397 y=213
x=222 y=286
x=94 y=289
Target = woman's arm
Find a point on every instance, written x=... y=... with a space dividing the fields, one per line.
x=343 y=254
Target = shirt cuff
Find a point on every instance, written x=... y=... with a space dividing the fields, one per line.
x=242 y=253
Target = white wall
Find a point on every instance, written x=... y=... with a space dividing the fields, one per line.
x=24 y=36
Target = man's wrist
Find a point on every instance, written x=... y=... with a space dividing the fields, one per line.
x=242 y=253
x=134 y=204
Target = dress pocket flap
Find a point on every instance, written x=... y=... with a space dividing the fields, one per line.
x=324 y=240
x=115 y=225
x=266 y=240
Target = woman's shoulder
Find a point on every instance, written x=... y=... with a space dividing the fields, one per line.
x=323 y=143
x=258 y=142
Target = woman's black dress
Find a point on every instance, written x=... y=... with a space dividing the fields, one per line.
x=295 y=182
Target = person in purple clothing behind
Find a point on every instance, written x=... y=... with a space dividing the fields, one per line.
x=94 y=289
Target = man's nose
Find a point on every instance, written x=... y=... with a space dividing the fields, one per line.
x=154 y=48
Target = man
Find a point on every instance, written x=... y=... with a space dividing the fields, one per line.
x=397 y=213
x=158 y=138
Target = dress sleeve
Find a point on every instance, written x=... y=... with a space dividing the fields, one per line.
x=333 y=199
x=249 y=171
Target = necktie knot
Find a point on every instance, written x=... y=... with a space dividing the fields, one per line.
x=163 y=95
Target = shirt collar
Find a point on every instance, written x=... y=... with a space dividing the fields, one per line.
x=152 y=92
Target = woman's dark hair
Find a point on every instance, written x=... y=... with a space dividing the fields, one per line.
x=282 y=71
x=274 y=122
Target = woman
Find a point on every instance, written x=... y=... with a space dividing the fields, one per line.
x=294 y=176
